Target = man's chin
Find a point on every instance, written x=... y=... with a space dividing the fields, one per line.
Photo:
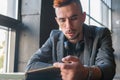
x=71 y=38
x=74 y=37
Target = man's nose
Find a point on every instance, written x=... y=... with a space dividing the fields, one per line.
x=68 y=23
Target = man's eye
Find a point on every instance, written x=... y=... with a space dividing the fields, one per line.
x=61 y=20
x=73 y=18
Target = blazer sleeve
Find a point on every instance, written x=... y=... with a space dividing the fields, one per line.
x=105 y=57
x=42 y=57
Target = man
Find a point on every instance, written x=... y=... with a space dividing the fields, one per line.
x=81 y=52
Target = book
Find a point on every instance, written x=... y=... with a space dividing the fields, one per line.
x=47 y=73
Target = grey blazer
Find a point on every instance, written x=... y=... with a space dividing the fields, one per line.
x=98 y=51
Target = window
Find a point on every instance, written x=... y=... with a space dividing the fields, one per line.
x=3 y=47
x=98 y=12
x=8 y=8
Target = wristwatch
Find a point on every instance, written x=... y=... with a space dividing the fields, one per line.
x=90 y=73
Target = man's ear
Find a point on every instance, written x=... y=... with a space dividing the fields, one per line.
x=84 y=16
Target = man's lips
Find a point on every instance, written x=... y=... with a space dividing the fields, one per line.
x=70 y=34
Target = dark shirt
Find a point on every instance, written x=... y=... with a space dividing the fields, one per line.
x=74 y=49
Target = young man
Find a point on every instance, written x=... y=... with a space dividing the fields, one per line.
x=81 y=52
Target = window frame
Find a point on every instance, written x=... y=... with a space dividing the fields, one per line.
x=90 y=17
x=13 y=25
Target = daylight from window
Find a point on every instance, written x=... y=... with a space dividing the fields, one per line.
x=92 y=9
x=3 y=8
x=98 y=12
x=8 y=8
x=2 y=48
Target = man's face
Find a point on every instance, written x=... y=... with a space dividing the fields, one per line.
x=70 y=20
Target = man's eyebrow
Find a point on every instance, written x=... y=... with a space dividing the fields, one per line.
x=60 y=18
x=74 y=15
x=69 y=17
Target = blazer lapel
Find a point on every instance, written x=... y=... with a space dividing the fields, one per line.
x=60 y=47
x=88 y=40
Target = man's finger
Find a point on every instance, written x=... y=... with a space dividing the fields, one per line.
x=62 y=65
x=70 y=59
x=57 y=64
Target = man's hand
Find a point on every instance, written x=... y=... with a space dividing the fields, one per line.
x=71 y=68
